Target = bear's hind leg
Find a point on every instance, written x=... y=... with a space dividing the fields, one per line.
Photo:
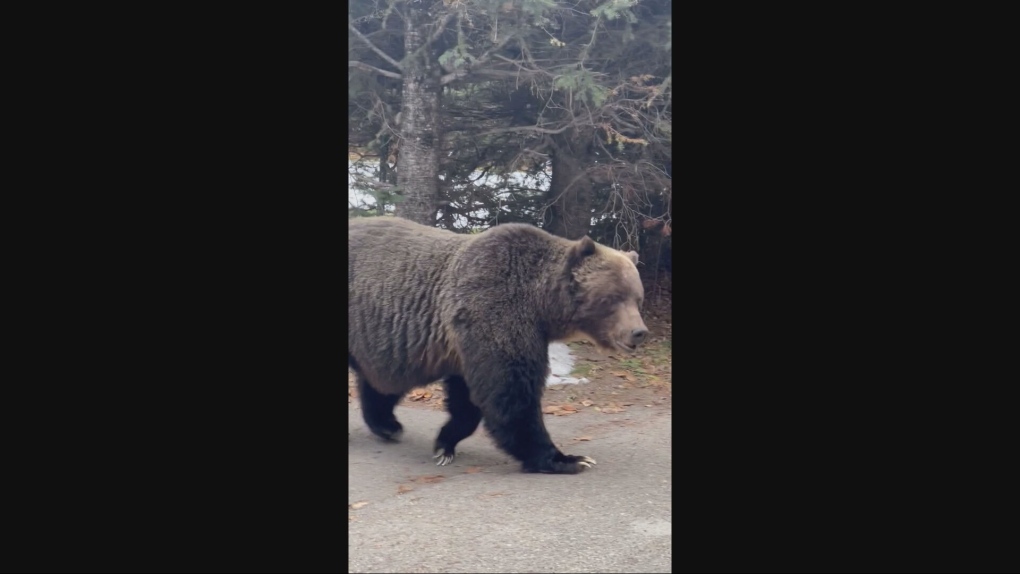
x=377 y=410
x=464 y=419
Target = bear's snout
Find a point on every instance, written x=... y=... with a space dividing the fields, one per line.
x=637 y=336
x=630 y=331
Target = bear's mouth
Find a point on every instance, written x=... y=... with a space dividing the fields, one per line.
x=626 y=347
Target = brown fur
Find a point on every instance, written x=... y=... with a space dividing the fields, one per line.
x=425 y=304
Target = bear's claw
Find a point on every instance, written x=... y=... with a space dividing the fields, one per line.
x=560 y=464
x=444 y=458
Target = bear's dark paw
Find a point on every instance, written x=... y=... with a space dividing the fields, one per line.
x=445 y=456
x=390 y=430
x=561 y=464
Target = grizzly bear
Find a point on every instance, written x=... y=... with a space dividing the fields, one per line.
x=479 y=312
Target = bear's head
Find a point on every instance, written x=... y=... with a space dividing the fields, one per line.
x=607 y=296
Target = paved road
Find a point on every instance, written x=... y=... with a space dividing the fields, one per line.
x=481 y=514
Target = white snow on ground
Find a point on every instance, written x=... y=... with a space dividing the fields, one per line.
x=561 y=362
x=361 y=197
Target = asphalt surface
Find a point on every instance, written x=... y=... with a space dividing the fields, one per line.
x=481 y=514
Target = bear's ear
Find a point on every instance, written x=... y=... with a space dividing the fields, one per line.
x=581 y=250
x=632 y=255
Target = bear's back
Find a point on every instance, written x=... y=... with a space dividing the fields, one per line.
x=381 y=246
x=397 y=283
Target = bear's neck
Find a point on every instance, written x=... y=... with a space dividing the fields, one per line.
x=558 y=312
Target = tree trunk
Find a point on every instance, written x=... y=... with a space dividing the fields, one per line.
x=418 y=170
x=650 y=256
x=570 y=191
x=385 y=175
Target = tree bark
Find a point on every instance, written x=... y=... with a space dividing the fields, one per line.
x=385 y=174
x=570 y=190
x=418 y=169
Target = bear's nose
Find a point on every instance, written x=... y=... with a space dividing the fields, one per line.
x=637 y=336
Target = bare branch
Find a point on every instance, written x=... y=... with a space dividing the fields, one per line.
x=523 y=70
x=478 y=62
x=367 y=68
x=531 y=129
x=374 y=184
x=440 y=28
x=374 y=48
x=453 y=76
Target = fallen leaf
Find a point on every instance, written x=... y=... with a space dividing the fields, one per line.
x=583 y=438
x=430 y=479
x=404 y=488
x=358 y=505
x=550 y=409
x=473 y=469
x=569 y=407
x=587 y=403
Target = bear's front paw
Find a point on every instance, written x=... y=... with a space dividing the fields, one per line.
x=561 y=464
x=444 y=456
x=583 y=461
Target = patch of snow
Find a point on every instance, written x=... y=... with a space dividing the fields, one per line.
x=561 y=362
